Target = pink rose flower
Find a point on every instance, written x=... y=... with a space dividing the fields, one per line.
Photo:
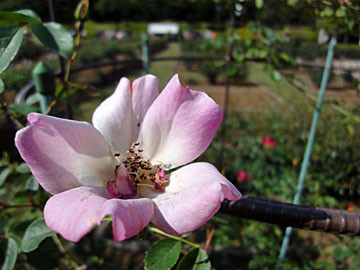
x=242 y=176
x=268 y=142
x=119 y=165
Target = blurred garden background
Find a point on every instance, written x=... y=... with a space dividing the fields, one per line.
x=261 y=60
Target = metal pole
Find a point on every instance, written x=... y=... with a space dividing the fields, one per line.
x=310 y=142
x=228 y=59
x=145 y=53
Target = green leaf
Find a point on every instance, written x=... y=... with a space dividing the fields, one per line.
x=33 y=99
x=276 y=76
x=327 y=12
x=2 y=86
x=10 y=41
x=35 y=234
x=55 y=37
x=11 y=255
x=23 y=168
x=238 y=57
x=14 y=18
x=22 y=108
x=285 y=57
x=163 y=254
x=233 y=71
x=29 y=13
x=4 y=174
x=259 y=4
x=32 y=184
x=195 y=259
x=340 y=12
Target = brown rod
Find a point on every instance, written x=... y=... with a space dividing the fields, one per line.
x=297 y=216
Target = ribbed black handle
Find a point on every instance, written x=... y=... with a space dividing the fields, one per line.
x=297 y=216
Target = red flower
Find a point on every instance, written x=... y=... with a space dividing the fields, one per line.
x=268 y=142
x=351 y=207
x=242 y=176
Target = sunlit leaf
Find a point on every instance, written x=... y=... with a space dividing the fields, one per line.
x=4 y=174
x=11 y=255
x=259 y=4
x=33 y=99
x=340 y=12
x=276 y=76
x=163 y=254
x=32 y=184
x=10 y=41
x=327 y=12
x=29 y=13
x=55 y=37
x=23 y=168
x=14 y=18
x=35 y=234
x=195 y=259
x=2 y=86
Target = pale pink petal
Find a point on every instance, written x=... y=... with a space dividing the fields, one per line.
x=73 y=213
x=129 y=217
x=194 y=195
x=120 y=116
x=115 y=119
x=179 y=125
x=63 y=154
x=145 y=91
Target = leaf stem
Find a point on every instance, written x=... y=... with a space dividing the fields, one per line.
x=59 y=244
x=79 y=25
x=209 y=237
x=158 y=231
x=17 y=123
x=7 y=206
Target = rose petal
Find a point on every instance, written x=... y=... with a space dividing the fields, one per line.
x=119 y=117
x=194 y=195
x=73 y=213
x=63 y=154
x=115 y=119
x=129 y=216
x=145 y=91
x=179 y=125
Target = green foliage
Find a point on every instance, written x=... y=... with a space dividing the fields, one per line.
x=23 y=168
x=20 y=17
x=35 y=234
x=10 y=41
x=54 y=36
x=2 y=86
x=11 y=255
x=163 y=254
x=30 y=13
x=23 y=109
x=16 y=78
x=4 y=174
x=95 y=50
x=195 y=259
x=30 y=50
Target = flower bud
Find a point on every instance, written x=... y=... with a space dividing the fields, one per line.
x=82 y=10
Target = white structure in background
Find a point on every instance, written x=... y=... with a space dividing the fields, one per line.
x=323 y=37
x=161 y=29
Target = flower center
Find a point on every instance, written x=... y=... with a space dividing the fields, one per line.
x=140 y=174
